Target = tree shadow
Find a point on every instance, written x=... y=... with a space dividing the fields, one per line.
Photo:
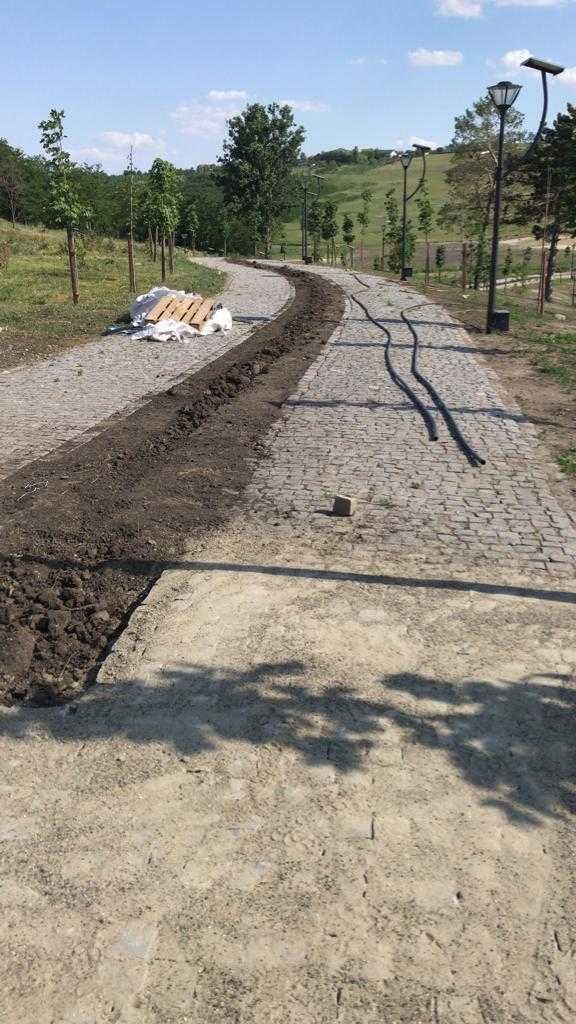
x=511 y=741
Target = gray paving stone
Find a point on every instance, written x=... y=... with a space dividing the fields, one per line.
x=348 y=427
x=50 y=403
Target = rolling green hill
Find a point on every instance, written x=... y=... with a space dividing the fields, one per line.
x=344 y=184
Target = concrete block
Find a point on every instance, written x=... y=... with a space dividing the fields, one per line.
x=343 y=506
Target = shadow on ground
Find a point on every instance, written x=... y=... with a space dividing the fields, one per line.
x=512 y=741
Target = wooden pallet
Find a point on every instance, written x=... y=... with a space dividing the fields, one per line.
x=191 y=310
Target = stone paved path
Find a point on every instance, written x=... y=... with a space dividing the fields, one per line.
x=349 y=429
x=53 y=402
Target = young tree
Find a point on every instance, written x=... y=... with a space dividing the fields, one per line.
x=64 y=207
x=394 y=233
x=470 y=177
x=130 y=172
x=315 y=227
x=330 y=230
x=364 y=218
x=425 y=224
x=547 y=194
x=440 y=260
x=507 y=267
x=262 y=149
x=348 y=236
x=11 y=177
x=164 y=204
x=525 y=264
x=190 y=225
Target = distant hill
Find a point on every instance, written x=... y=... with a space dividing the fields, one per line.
x=344 y=183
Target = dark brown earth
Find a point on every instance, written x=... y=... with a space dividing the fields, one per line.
x=86 y=533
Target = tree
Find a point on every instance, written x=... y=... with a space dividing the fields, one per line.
x=163 y=201
x=11 y=177
x=525 y=264
x=547 y=188
x=330 y=230
x=130 y=173
x=315 y=227
x=425 y=224
x=470 y=177
x=262 y=149
x=64 y=206
x=393 y=233
x=507 y=267
x=190 y=224
x=348 y=236
x=364 y=218
x=440 y=260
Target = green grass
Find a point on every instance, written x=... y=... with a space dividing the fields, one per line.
x=345 y=183
x=37 y=315
x=567 y=461
x=555 y=355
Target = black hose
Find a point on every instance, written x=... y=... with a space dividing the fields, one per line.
x=471 y=454
x=398 y=380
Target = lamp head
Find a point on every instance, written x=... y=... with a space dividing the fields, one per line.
x=504 y=95
x=542 y=65
x=406 y=159
x=420 y=148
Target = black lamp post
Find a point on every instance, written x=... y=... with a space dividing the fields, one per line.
x=406 y=160
x=504 y=96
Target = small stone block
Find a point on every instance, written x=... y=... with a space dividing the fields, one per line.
x=343 y=506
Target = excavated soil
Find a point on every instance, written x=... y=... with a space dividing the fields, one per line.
x=87 y=533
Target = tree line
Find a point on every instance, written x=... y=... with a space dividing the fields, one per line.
x=240 y=203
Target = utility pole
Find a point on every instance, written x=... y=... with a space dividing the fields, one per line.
x=131 y=224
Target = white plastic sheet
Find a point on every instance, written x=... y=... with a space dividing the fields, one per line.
x=173 y=330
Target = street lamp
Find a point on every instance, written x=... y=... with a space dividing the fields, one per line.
x=406 y=160
x=504 y=96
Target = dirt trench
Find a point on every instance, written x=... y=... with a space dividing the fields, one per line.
x=87 y=532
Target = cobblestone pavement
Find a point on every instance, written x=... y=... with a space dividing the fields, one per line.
x=45 y=405
x=348 y=429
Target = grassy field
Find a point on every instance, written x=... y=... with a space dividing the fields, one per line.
x=37 y=317
x=344 y=185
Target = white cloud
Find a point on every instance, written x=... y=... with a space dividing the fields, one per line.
x=460 y=8
x=112 y=147
x=532 y=3
x=306 y=106
x=415 y=140
x=356 y=61
x=123 y=140
x=203 y=119
x=218 y=95
x=568 y=77
x=513 y=59
x=435 y=58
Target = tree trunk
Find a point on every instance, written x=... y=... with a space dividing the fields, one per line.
x=150 y=243
x=551 y=262
x=464 y=266
x=427 y=267
x=163 y=256
x=171 y=252
x=131 y=274
x=383 y=252
x=155 y=244
x=73 y=265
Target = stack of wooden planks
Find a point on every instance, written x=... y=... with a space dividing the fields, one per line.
x=193 y=310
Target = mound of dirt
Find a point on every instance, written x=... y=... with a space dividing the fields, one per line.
x=88 y=532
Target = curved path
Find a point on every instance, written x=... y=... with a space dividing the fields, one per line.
x=349 y=429
x=318 y=783
x=50 y=403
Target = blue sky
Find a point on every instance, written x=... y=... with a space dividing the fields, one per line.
x=166 y=75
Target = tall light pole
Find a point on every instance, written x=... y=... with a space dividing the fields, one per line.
x=504 y=96
x=406 y=160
